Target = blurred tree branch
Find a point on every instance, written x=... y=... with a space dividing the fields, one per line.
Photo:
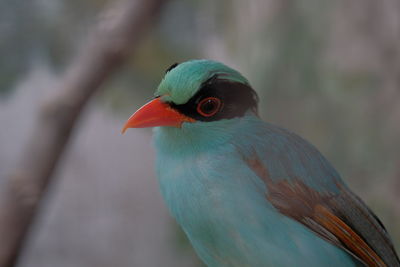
x=106 y=49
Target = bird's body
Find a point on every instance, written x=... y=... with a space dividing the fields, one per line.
x=248 y=193
x=220 y=201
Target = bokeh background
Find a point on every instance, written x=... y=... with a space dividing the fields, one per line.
x=328 y=70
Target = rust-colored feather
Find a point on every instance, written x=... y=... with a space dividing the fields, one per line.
x=349 y=238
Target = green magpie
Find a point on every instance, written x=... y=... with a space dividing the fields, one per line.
x=246 y=192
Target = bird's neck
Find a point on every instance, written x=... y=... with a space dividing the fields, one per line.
x=193 y=138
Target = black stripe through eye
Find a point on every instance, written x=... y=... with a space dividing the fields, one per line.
x=235 y=100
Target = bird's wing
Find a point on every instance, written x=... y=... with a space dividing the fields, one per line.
x=341 y=218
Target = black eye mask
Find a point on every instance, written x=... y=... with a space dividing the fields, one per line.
x=236 y=98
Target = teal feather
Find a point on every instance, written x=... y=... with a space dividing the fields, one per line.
x=186 y=78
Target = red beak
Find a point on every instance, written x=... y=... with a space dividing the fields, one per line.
x=156 y=113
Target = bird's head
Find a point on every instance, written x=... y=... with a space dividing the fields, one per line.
x=196 y=91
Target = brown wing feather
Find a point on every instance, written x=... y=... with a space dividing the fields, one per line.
x=341 y=219
x=351 y=241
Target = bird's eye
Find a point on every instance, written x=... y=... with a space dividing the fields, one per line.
x=209 y=106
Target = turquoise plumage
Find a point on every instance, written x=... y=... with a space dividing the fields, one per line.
x=246 y=192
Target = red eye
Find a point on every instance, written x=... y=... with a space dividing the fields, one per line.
x=209 y=106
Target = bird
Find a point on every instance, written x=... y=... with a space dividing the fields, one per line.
x=247 y=192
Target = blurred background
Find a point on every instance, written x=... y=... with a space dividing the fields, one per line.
x=327 y=70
